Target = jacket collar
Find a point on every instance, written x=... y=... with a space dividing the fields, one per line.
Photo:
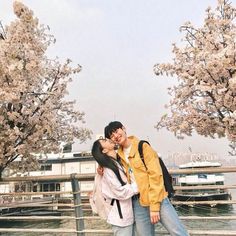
x=134 y=147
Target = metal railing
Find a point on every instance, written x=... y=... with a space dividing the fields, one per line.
x=79 y=207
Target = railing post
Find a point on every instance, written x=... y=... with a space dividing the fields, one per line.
x=77 y=204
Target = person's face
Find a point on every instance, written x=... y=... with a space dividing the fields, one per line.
x=119 y=136
x=107 y=145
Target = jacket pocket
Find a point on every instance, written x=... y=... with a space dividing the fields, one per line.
x=139 y=165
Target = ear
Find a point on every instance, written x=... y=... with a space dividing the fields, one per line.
x=124 y=129
x=104 y=150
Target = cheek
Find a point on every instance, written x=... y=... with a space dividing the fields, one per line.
x=113 y=139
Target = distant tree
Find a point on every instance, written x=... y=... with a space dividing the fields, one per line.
x=204 y=98
x=35 y=117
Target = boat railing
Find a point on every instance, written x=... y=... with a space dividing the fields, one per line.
x=83 y=216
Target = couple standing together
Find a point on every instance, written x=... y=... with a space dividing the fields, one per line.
x=141 y=198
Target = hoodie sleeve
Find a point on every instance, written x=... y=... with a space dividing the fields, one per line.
x=112 y=188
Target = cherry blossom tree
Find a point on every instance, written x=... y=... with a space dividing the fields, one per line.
x=35 y=116
x=204 y=99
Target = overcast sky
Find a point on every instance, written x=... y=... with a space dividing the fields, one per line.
x=117 y=43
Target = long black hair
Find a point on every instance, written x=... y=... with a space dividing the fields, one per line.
x=104 y=160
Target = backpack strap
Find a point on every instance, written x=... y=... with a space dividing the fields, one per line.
x=140 y=150
x=118 y=206
x=166 y=175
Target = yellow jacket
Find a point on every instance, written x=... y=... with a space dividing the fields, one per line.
x=150 y=182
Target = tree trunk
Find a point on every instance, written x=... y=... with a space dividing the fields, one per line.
x=1 y=171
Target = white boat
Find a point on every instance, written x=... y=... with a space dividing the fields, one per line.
x=203 y=179
x=199 y=164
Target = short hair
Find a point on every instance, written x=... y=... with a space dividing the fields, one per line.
x=112 y=127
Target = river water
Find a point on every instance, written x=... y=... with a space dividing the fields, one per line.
x=228 y=210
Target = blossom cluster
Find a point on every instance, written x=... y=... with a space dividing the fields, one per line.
x=205 y=66
x=35 y=117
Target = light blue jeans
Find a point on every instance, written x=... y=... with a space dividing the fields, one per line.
x=169 y=219
x=142 y=223
x=122 y=231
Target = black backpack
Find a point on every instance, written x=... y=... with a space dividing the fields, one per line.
x=166 y=175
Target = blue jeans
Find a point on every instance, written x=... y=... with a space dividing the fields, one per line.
x=169 y=219
x=122 y=231
x=142 y=223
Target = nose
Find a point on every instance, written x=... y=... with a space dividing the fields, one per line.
x=116 y=136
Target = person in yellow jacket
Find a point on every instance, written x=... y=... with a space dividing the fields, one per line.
x=151 y=204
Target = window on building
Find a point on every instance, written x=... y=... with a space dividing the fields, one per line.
x=58 y=187
x=46 y=167
x=35 y=188
x=50 y=187
x=20 y=187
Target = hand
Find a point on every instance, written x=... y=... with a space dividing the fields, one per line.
x=154 y=216
x=100 y=170
x=135 y=188
x=90 y=193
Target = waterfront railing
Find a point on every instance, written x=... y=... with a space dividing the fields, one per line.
x=81 y=208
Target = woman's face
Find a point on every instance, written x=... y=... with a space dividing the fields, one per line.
x=107 y=144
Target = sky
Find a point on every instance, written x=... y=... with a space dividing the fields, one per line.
x=117 y=43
